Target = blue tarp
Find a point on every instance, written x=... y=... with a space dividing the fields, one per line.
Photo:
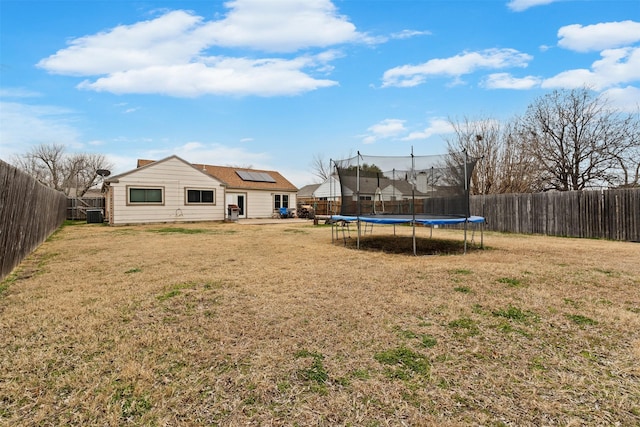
x=407 y=220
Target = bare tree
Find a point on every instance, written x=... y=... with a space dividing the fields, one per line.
x=577 y=141
x=321 y=167
x=629 y=167
x=72 y=174
x=44 y=163
x=517 y=171
x=85 y=168
x=627 y=163
x=502 y=165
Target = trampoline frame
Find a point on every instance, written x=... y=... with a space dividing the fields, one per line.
x=413 y=219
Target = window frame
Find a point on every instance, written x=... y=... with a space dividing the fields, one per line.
x=279 y=199
x=145 y=187
x=200 y=189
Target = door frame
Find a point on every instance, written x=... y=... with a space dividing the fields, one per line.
x=233 y=199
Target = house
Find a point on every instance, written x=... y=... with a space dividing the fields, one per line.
x=257 y=193
x=307 y=193
x=174 y=190
x=371 y=188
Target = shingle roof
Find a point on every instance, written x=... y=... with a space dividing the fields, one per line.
x=146 y=163
x=229 y=176
x=307 y=190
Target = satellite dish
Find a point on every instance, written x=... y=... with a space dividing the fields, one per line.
x=103 y=172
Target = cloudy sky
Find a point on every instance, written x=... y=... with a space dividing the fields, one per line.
x=272 y=84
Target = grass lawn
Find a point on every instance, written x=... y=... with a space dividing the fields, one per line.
x=236 y=324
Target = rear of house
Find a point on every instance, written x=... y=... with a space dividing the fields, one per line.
x=256 y=193
x=174 y=190
x=169 y=190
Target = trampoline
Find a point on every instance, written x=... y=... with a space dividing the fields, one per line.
x=414 y=190
x=405 y=219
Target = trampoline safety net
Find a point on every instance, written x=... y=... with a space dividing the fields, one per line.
x=434 y=186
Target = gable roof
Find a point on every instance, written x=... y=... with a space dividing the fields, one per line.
x=308 y=190
x=148 y=163
x=233 y=180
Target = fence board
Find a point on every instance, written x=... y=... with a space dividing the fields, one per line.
x=609 y=214
x=29 y=213
x=77 y=206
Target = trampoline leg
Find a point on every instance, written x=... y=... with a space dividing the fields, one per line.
x=465 y=237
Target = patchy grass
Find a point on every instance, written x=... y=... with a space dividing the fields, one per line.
x=579 y=319
x=515 y=313
x=465 y=327
x=316 y=372
x=228 y=324
x=513 y=282
x=178 y=230
x=403 y=363
x=7 y=281
x=184 y=230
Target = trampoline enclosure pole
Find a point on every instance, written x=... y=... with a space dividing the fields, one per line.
x=466 y=193
x=413 y=200
x=359 y=207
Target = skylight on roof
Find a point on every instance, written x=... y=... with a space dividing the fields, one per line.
x=255 y=176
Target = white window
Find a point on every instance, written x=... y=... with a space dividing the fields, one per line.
x=280 y=201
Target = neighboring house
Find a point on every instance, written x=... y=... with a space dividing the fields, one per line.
x=328 y=190
x=306 y=193
x=371 y=188
x=174 y=190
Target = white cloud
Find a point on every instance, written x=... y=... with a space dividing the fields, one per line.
x=18 y=92
x=281 y=25
x=171 y=54
x=437 y=126
x=24 y=126
x=192 y=146
x=507 y=81
x=520 y=5
x=228 y=76
x=212 y=154
x=387 y=128
x=617 y=66
x=166 y=40
x=456 y=66
x=624 y=99
x=407 y=34
x=599 y=36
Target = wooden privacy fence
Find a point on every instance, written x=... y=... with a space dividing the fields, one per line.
x=608 y=214
x=29 y=213
x=321 y=207
x=77 y=206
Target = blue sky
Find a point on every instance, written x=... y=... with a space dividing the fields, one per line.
x=272 y=84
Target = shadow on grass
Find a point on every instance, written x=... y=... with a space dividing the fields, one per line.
x=404 y=245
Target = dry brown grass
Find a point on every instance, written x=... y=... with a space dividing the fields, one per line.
x=275 y=325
